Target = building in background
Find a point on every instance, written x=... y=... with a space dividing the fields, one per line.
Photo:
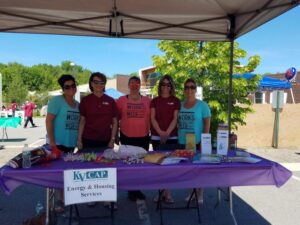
x=148 y=78
x=291 y=95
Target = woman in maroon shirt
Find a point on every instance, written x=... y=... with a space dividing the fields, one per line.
x=164 y=115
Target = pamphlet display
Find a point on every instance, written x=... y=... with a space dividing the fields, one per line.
x=206 y=148
x=222 y=142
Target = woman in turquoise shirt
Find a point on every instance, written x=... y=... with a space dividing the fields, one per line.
x=194 y=117
x=62 y=122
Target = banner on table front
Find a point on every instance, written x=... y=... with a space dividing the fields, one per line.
x=90 y=185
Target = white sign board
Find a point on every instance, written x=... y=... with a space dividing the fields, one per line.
x=280 y=96
x=90 y=185
x=222 y=142
x=199 y=93
x=206 y=148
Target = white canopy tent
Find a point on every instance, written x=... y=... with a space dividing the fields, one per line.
x=200 y=20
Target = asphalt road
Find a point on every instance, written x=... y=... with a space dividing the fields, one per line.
x=256 y=205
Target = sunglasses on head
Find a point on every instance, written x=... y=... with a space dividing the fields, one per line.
x=189 y=87
x=98 y=82
x=166 y=85
x=67 y=87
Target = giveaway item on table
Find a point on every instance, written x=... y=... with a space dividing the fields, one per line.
x=38 y=155
x=173 y=160
x=124 y=152
x=213 y=158
x=183 y=153
x=190 y=140
x=242 y=159
x=155 y=158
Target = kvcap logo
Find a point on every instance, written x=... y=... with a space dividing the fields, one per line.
x=90 y=175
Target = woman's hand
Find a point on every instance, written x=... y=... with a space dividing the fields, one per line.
x=111 y=143
x=79 y=144
x=164 y=136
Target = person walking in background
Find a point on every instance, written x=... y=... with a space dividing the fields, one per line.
x=194 y=117
x=28 y=108
x=62 y=122
x=13 y=108
x=164 y=116
x=134 y=116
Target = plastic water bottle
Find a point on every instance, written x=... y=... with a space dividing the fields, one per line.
x=39 y=208
x=26 y=155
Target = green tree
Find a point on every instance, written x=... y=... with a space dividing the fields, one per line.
x=16 y=90
x=209 y=66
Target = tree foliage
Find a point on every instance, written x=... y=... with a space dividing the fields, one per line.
x=19 y=80
x=209 y=66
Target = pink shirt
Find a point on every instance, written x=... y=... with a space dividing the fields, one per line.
x=134 y=116
x=28 y=108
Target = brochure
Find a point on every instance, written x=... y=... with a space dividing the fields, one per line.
x=244 y=159
x=173 y=160
x=213 y=158
x=206 y=144
x=222 y=142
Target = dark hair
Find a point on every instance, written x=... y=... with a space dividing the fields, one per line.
x=134 y=78
x=101 y=76
x=170 y=79
x=63 y=78
x=190 y=80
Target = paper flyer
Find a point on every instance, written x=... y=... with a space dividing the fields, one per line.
x=206 y=148
x=222 y=142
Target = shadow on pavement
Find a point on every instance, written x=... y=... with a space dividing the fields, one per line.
x=20 y=205
x=13 y=140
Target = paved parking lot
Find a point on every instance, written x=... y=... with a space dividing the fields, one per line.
x=259 y=205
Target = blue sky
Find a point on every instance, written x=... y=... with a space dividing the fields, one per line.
x=277 y=42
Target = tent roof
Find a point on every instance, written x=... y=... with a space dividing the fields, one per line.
x=214 y=20
x=115 y=94
x=267 y=83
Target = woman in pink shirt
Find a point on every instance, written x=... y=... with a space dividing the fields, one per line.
x=134 y=116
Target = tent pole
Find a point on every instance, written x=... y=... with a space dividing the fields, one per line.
x=231 y=37
x=230 y=85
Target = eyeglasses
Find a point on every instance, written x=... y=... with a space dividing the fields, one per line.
x=67 y=87
x=134 y=83
x=98 y=82
x=189 y=87
x=166 y=85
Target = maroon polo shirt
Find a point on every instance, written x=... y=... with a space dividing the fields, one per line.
x=98 y=114
x=164 y=113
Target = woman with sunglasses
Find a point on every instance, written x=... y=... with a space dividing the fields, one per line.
x=134 y=116
x=62 y=118
x=98 y=117
x=164 y=116
x=194 y=117
x=98 y=121
x=62 y=123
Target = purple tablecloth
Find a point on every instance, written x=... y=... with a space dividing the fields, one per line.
x=150 y=176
